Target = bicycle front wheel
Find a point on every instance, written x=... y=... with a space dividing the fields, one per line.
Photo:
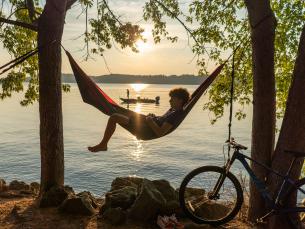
x=197 y=199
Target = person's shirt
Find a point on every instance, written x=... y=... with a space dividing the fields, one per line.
x=172 y=117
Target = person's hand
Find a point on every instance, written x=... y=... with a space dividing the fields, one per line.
x=151 y=115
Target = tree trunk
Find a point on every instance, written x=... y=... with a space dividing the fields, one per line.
x=50 y=29
x=263 y=26
x=292 y=133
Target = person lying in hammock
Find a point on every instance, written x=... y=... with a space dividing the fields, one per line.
x=158 y=125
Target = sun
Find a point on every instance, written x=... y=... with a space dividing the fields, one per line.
x=143 y=46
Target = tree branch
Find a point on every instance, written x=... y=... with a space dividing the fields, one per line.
x=177 y=18
x=19 y=23
x=110 y=11
x=31 y=9
x=182 y=23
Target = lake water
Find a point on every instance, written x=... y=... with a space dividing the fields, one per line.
x=195 y=143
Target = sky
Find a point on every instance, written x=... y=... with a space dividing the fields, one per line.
x=162 y=58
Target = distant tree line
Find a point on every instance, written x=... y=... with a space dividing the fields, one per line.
x=149 y=79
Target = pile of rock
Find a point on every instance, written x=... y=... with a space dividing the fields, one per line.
x=139 y=199
x=18 y=189
x=130 y=198
x=62 y=197
x=82 y=203
x=67 y=201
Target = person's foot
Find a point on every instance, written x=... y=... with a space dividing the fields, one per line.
x=97 y=148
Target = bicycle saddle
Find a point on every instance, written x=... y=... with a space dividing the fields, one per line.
x=295 y=153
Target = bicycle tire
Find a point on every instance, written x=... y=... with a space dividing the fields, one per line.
x=215 y=222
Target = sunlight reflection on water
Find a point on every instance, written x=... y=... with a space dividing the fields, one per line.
x=138 y=152
x=137 y=87
x=138 y=108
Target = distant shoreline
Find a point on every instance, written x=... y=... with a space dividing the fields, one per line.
x=145 y=79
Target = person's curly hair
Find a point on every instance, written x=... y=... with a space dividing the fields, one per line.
x=180 y=93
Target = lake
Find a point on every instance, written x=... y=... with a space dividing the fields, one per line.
x=195 y=143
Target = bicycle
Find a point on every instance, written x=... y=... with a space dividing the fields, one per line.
x=213 y=195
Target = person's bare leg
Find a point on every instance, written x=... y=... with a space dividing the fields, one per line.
x=110 y=128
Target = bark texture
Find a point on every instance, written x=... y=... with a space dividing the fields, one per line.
x=50 y=29
x=263 y=26
x=292 y=134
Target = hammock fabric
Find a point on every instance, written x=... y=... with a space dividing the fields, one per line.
x=94 y=96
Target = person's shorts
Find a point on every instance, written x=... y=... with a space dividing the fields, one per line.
x=138 y=127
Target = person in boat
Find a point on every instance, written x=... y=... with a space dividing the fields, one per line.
x=127 y=91
x=159 y=125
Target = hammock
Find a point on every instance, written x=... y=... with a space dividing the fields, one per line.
x=94 y=96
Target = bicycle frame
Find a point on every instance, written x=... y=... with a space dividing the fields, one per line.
x=274 y=204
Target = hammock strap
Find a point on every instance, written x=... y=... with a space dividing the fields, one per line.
x=20 y=59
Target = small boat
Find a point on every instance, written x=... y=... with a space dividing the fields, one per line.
x=140 y=100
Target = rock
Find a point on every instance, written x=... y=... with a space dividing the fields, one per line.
x=116 y=216
x=197 y=226
x=193 y=192
x=10 y=194
x=172 y=207
x=26 y=192
x=34 y=186
x=166 y=190
x=55 y=196
x=69 y=189
x=86 y=194
x=136 y=180
x=122 y=198
x=122 y=182
x=3 y=186
x=15 y=210
x=18 y=185
x=212 y=210
x=100 y=201
x=148 y=203
x=81 y=205
x=15 y=213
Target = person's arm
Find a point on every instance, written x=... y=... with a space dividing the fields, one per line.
x=159 y=130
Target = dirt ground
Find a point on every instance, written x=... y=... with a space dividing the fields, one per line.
x=23 y=213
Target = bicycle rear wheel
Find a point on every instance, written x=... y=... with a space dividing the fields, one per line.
x=202 y=207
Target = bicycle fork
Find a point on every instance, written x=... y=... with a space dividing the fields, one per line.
x=214 y=195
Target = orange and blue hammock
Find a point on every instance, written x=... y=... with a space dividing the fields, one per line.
x=96 y=97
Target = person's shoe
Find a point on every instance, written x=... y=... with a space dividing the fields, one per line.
x=166 y=222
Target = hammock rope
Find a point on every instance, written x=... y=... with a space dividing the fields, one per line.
x=231 y=96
